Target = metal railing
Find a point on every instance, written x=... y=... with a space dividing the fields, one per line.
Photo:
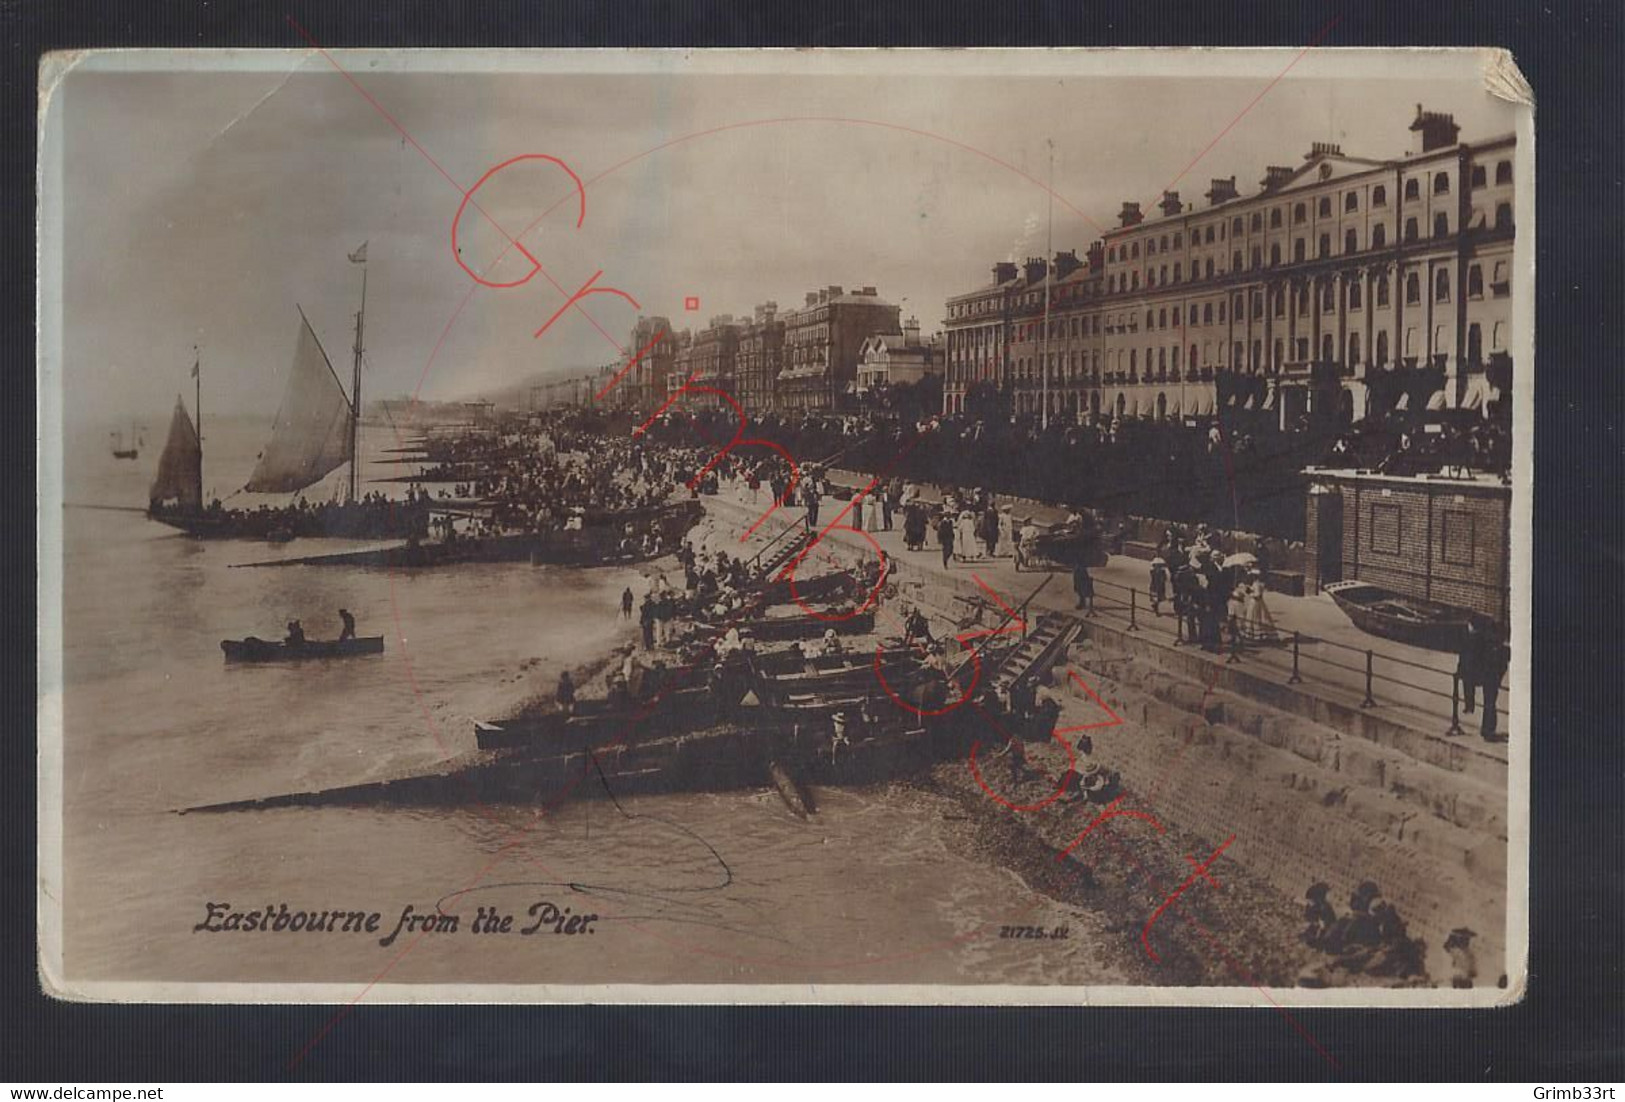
x=1382 y=679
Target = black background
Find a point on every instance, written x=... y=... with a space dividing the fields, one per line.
x=1567 y=1030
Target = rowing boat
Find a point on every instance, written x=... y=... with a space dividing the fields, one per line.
x=269 y=650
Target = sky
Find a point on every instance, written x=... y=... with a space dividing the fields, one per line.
x=206 y=206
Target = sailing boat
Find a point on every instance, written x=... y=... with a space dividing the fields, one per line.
x=315 y=433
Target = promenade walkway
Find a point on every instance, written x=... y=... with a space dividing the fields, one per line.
x=1332 y=659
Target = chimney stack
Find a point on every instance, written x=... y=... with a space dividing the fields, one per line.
x=1170 y=204
x=1130 y=215
x=1035 y=268
x=1004 y=271
x=911 y=331
x=1221 y=191
x=1319 y=149
x=1275 y=176
x=1097 y=255
x=870 y=291
x=1066 y=263
x=1438 y=130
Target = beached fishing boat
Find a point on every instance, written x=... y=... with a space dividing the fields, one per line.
x=271 y=650
x=1395 y=616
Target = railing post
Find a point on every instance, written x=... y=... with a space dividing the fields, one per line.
x=1295 y=678
x=1133 y=624
x=1455 y=705
x=1369 y=700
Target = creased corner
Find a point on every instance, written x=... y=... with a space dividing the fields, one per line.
x=53 y=69
x=1503 y=78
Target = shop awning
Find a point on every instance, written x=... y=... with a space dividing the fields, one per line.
x=1436 y=402
x=1479 y=392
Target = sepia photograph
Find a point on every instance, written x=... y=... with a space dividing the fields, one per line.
x=854 y=526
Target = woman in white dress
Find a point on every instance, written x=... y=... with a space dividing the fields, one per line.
x=1258 y=624
x=965 y=539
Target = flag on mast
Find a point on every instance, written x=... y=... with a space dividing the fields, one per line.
x=360 y=255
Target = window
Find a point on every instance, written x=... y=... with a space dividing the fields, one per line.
x=1498 y=280
x=1162 y=274
x=1441 y=225
x=1275 y=218
x=1134 y=249
x=1325 y=206
x=1207 y=314
x=1235 y=261
x=1134 y=280
x=1328 y=298
x=1384 y=528
x=1162 y=318
x=1150 y=277
x=1354 y=349
x=1150 y=246
x=1221 y=313
x=1503 y=216
x=1258 y=305
x=1410 y=341
x=1456 y=537
x=1275 y=255
x=1235 y=355
x=1382 y=348
x=1413 y=190
x=1475 y=344
x=1480 y=177
x=1325 y=245
x=1354 y=295
x=1258 y=221
x=1351 y=242
x=1300 y=214
x=1441 y=286
x=1149 y=319
x=1351 y=202
x=1327 y=348
x=1162 y=243
x=1441 y=183
x=1503 y=172
x=1297 y=251
x=1208 y=237
x=1303 y=302
x=1176 y=317
x=1280 y=304
x=1413 y=289
x=1176 y=271
x=1258 y=257
x=1475 y=281
x=1179 y=240
x=1236 y=225
x=1379 y=236
x=1410 y=229
x=1498 y=336
x=1111 y=254
x=1302 y=352
x=1276 y=355
x=1379 y=196
x=1208 y=270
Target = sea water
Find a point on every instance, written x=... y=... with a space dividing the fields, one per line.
x=881 y=885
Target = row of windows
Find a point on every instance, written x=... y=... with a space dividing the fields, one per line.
x=1300 y=213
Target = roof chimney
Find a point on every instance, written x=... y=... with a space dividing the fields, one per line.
x=870 y=291
x=1097 y=255
x=1323 y=149
x=812 y=298
x=1066 y=263
x=911 y=331
x=1170 y=204
x=1004 y=271
x=1035 y=268
x=1437 y=130
x=1130 y=215
x=1221 y=191
x=1275 y=176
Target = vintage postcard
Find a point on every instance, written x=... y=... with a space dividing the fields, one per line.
x=850 y=526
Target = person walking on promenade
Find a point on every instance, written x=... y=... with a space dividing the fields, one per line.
x=1469 y=652
x=809 y=498
x=914 y=522
x=1026 y=543
x=990 y=529
x=626 y=603
x=1084 y=586
x=945 y=538
x=857 y=510
x=1007 y=528
x=1482 y=663
x=965 y=538
x=646 y=621
x=565 y=696
x=1257 y=623
x=1159 y=584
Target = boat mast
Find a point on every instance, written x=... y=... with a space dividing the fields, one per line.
x=355 y=405
x=197 y=378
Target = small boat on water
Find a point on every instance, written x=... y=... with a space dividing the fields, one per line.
x=1395 y=616
x=272 y=650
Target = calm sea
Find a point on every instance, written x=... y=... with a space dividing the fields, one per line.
x=881 y=886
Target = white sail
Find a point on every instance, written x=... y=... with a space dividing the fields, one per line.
x=180 y=468
x=312 y=434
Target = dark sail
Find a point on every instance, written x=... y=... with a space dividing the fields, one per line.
x=312 y=434
x=180 y=468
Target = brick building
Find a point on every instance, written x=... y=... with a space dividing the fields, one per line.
x=645 y=382
x=1391 y=277
x=1436 y=538
x=761 y=357
x=822 y=342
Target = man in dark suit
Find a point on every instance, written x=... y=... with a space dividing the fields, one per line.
x=1494 y=657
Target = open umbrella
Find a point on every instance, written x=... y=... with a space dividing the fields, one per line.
x=1241 y=558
